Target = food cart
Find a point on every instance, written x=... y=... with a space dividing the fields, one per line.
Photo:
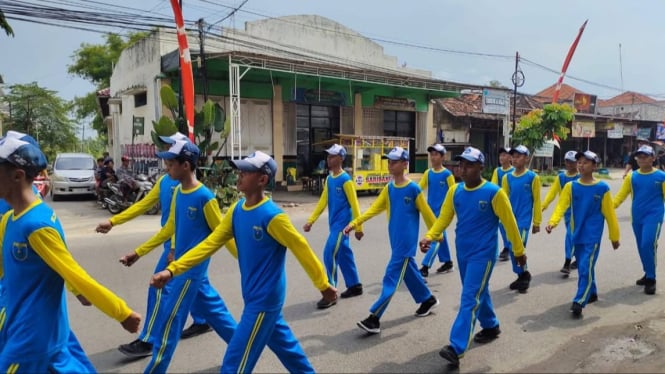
x=363 y=158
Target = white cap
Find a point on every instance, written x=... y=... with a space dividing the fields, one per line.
x=257 y=161
x=520 y=149
x=174 y=138
x=570 y=156
x=437 y=147
x=397 y=153
x=588 y=155
x=646 y=149
x=337 y=150
x=471 y=154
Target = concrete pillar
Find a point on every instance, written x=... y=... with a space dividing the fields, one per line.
x=430 y=134
x=357 y=114
x=278 y=131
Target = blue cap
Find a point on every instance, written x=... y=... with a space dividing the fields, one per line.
x=257 y=162
x=337 y=150
x=22 y=136
x=471 y=154
x=22 y=154
x=645 y=150
x=588 y=155
x=397 y=154
x=183 y=149
x=520 y=149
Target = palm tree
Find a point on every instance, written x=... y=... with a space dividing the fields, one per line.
x=4 y=25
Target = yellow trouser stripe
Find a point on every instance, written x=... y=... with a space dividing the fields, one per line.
x=3 y=317
x=13 y=368
x=399 y=283
x=655 y=245
x=255 y=331
x=483 y=284
x=155 y=309
x=165 y=336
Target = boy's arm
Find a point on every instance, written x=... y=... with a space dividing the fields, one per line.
x=445 y=216
x=504 y=185
x=282 y=230
x=504 y=211
x=222 y=234
x=352 y=197
x=495 y=176
x=48 y=244
x=323 y=202
x=451 y=180
x=565 y=199
x=139 y=207
x=626 y=188
x=424 y=181
x=162 y=235
x=551 y=195
x=213 y=216
x=535 y=191
x=610 y=215
x=378 y=206
x=3 y=225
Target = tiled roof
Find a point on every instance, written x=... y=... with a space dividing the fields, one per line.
x=471 y=105
x=566 y=94
x=627 y=98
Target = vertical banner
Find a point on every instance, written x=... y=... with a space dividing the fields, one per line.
x=186 y=75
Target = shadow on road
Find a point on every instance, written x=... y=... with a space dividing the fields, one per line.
x=112 y=361
x=558 y=317
x=629 y=295
x=425 y=363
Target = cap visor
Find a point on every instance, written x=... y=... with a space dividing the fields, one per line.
x=166 y=139
x=243 y=165
x=466 y=158
x=644 y=153
x=166 y=155
x=503 y=150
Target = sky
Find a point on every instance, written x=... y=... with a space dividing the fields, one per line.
x=540 y=31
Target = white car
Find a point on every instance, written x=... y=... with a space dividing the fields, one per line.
x=73 y=174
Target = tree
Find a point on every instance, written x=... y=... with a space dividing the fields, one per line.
x=496 y=84
x=41 y=113
x=540 y=125
x=4 y=25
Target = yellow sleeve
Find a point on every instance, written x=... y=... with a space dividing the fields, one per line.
x=378 y=206
x=451 y=180
x=162 y=235
x=607 y=207
x=48 y=244
x=565 y=198
x=504 y=185
x=495 y=176
x=503 y=210
x=212 y=214
x=551 y=195
x=3 y=224
x=352 y=197
x=425 y=210
x=139 y=207
x=626 y=188
x=537 y=211
x=222 y=234
x=424 y=181
x=323 y=203
x=282 y=230
x=445 y=216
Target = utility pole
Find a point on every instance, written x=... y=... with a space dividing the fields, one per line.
x=202 y=55
x=518 y=81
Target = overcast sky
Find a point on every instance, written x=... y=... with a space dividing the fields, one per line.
x=541 y=31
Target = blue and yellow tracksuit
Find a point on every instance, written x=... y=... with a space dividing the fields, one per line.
x=262 y=233
x=497 y=178
x=194 y=214
x=437 y=183
x=404 y=204
x=162 y=193
x=523 y=191
x=479 y=211
x=648 y=192
x=590 y=205
x=34 y=324
x=340 y=196
x=558 y=184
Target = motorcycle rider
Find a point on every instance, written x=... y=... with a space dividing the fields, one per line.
x=126 y=178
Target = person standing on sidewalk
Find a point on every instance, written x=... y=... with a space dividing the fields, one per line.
x=646 y=185
x=262 y=232
x=523 y=189
x=590 y=203
x=160 y=194
x=571 y=174
x=505 y=167
x=479 y=207
x=339 y=194
x=404 y=202
x=437 y=180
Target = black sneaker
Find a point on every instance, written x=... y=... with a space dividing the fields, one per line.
x=573 y=265
x=194 y=330
x=576 y=309
x=136 y=349
x=325 y=304
x=504 y=256
x=649 y=286
x=487 y=335
x=592 y=298
x=352 y=291
x=641 y=281
x=445 y=268
x=566 y=267
x=370 y=324
x=449 y=354
x=522 y=282
x=426 y=306
x=424 y=271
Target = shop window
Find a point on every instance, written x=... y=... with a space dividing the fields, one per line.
x=314 y=124
x=140 y=99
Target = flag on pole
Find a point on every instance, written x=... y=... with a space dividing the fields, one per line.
x=566 y=62
x=186 y=75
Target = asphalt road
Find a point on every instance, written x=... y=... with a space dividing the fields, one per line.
x=535 y=325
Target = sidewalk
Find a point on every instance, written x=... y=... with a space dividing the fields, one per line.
x=297 y=197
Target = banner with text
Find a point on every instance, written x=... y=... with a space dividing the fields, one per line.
x=584 y=129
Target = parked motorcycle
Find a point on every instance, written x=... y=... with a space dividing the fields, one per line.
x=41 y=183
x=116 y=202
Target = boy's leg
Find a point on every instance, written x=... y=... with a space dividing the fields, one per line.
x=476 y=277
x=586 y=254
x=154 y=299
x=637 y=231
x=524 y=234
x=210 y=306
x=347 y=262
x=170 y=320
x=72 y=359
x=486 y=315
x=414 y=282
x=647 y=247
x=504 y=237
x=252 y=334
x=431 y=255
x=568 y=245
x=287 y=348
x=330 y=256
x=395 y=271
x=444 y=250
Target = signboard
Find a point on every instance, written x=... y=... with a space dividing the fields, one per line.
x=629 y=130
x=316 y=96
x=616 y=132
x=584 y=129
x=584 y=103
x=138 y=126
x=546 y=150
x=495 y=101
x=644 y=133
x=394 y=103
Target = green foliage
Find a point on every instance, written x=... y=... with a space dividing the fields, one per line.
x=42 y=114
x=540 y=125
x=4 y=25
